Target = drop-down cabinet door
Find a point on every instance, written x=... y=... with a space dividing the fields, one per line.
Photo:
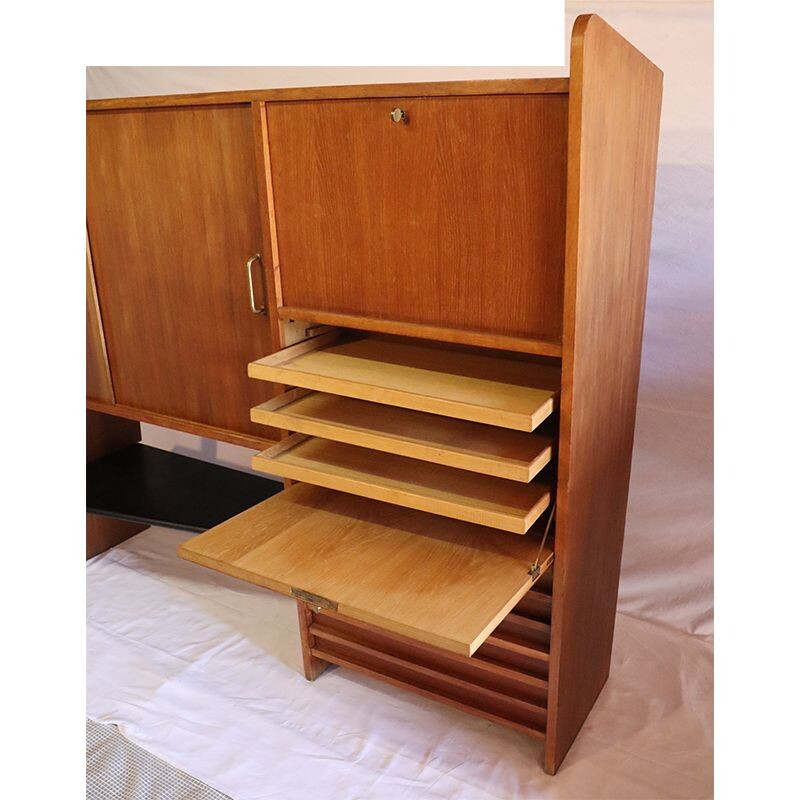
x=173 y=219
x=452 y=216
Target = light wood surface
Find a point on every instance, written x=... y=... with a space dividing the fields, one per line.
x=419 y=89
x=313 y=667
x=479 y=448
x=615 y=102
x=484 y=500
x=98 y=374
x=454 y=220
x=440 y=581
x=173 y=216
x=435 y=332
x=470 y=386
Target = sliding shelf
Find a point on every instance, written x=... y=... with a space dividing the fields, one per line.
x=495 y=390
x=484 y=500
x=439 y=581
x=441 y=440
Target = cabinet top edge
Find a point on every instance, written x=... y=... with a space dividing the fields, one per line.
x=360 y=92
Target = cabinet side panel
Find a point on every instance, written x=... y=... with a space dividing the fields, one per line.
x=615 y=103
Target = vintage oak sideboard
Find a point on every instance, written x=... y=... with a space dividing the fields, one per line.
x=439 y=290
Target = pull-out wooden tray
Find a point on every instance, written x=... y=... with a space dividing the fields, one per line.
x=452 y=442
x=437 y=580
x=481 y=388
x=484 y=500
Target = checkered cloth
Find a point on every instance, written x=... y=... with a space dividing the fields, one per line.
x=116 y=769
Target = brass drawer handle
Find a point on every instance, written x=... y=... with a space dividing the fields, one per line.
x=398 y=115
x=253 y=308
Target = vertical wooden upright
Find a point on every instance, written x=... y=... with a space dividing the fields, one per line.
x=614 y=110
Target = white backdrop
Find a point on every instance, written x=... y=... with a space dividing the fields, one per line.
x=667 y=560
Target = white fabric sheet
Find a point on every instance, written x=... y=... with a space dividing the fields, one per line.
x=204 y=671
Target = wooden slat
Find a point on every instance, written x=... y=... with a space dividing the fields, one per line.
x=433 y=579
x=178 y=424
x=484 y=388
x=449 y=683
x=329 y=654
x=614 y=110
x=494 y=675
x=441 y=440
x=519 y=344
x=528 y=630
x=536 y=605
x=484 y=500
x=376 y=90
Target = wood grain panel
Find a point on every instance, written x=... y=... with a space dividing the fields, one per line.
x=440 y=581
x=615 y=101
x=98 y=373
x=431 y=89
x=173 y=217
x=455 y=219
x=482 y=499
x=472 y=386
x=441 y=440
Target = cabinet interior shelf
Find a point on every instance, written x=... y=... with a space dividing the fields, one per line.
x=485 y=449
x=485 y=500
x=504 y=391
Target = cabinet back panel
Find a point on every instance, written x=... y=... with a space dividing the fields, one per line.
x=454 y=219
x=173 y=217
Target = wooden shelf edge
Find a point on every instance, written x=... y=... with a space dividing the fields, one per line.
x=186 y=426
x=278 y=413
x=559 y=85
x=269 y=463
x=517 y=344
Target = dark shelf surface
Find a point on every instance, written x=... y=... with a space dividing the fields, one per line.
x=157 y=487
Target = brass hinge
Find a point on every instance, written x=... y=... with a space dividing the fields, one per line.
x=314 y=599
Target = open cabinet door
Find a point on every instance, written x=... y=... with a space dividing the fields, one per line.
x=441 y=581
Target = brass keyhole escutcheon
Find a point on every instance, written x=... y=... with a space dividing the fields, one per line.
x=398 y=115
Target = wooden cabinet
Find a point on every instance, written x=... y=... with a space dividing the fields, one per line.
x=463 y=425
x=173 y=215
